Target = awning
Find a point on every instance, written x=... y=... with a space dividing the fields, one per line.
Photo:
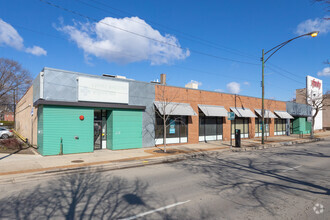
x=213 y=110
x=268 y=113
x=283 y=114
x=172 y=108
x=243 y=112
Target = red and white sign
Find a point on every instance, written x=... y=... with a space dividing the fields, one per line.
x=314 y=93
x=316 y=84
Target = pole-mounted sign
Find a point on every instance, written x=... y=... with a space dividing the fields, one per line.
x=231 y=116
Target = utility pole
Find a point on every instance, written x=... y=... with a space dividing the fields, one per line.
x=274 y=50
x=263 y=100
x=235 y=120
x=15 y=108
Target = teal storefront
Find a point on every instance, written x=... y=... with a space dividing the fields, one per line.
x=84 y=127
x=300 y=125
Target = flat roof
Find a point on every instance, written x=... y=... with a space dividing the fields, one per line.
x=133 y=80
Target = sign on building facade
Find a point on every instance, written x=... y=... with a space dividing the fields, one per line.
x=314 y=92
x=100 y=90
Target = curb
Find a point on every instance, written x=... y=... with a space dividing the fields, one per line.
x=287 y=143
x=139 y=163
x=12 y=178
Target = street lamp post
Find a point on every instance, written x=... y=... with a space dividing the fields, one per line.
x=274 y=49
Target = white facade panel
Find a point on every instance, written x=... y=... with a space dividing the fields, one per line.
x=100 y=90
x=169 y=141
x=183 y=140
x=314 y=90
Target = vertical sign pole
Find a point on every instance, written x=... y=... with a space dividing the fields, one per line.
x=263 y=101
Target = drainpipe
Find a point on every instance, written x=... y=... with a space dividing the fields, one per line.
x=61 y=147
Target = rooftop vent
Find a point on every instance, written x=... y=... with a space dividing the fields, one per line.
x=155 y=81
x=192 y=85
x=114 y=76
x=108 y=75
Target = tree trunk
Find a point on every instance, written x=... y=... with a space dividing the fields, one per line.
x=312 y=127
x=164 y=141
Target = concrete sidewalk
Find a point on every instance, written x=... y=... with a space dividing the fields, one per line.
x=19 y=163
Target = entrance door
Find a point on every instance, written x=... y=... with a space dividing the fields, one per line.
x=97 y=135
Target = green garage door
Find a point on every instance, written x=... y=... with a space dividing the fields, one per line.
x=124 y=129
x=62 y=122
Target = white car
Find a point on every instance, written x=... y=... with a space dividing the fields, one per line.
x=5 y=133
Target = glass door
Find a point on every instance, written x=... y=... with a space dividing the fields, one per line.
x=97 y=135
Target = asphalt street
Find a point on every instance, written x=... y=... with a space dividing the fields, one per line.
x=290 y=182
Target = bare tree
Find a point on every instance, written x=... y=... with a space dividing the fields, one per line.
x=165 y=107
x=14 y=81
x=326 y=3
x=317 y=101
x=327 y=62
x=268 y=105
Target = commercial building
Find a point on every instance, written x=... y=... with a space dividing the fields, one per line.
x=326 y=112
x=312 y=95
x=299 y=124
x=69 y=112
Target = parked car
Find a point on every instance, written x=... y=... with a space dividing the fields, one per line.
x=5 y=133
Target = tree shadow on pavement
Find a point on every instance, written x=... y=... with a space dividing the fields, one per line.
x=89 y=195
x=254 y=181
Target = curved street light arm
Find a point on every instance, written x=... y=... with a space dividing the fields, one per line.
x=283 y=44
x=274 y=50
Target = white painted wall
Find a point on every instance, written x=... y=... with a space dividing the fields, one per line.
x=99 y=90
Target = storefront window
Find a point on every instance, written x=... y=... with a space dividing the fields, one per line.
x=104 y=125
x=280 y=125
x=258 y=125
x=176 y=128
x=242 y=124
x=210 y=128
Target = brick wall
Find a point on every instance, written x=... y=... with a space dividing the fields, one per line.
x=195 y=97
x=326 y=112
x=301 y=96
x=26 y=125
x=8 y=116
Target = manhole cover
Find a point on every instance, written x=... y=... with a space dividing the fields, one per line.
x=77 y=161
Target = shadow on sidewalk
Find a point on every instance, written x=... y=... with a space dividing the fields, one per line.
x=90 y=196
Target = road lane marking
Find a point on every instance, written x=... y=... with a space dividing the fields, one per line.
x=291 y=168
x=155 y=210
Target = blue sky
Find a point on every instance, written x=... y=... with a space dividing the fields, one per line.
x=202 y=38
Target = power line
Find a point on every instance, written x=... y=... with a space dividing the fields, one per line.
x=286 y=76
x=284 y=70
x=176 y=66
x=143 y=36
x=190 y=37
x=130 y=55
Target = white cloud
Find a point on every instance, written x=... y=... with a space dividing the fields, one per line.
x=234 y=87
x=114 y=45
x=35 y=50
x=10 y=37
x=324 y=72
x=318 y=24
x=246 y=83
x=218 y=90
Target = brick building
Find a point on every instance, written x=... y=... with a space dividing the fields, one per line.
x=8 y=116
x=72 y=112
